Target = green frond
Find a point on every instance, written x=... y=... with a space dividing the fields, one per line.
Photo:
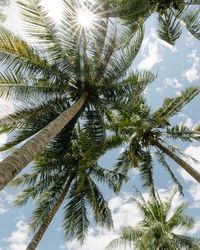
x=111 y=177
x=75 y=221
x=183 y=133
x=186 y=242
x=123 y=164
x=133 y=9
x=172 y=106
x=146 y=171
x=168 y=28
x=122 y=59
x=41 y=27
x=20 y=57
x=30 y=118
x=99 y=206
x=127 y=90
x=191 y=20
x=127 y=237
x=180 y=219
x=17 y=87
x=112 y=142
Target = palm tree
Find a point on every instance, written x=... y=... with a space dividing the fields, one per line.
x=147 y=132
x=89 y=70
x=67 y=168
x=172 y=15
x=155 y=230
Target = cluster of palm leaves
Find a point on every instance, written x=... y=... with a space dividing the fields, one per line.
x=172 y=16
x=77 y=97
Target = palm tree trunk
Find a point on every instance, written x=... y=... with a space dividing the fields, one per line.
x=178 y=160
x=38 y=236
x=18 y=160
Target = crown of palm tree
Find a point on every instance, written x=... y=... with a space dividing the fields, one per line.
x=144 y=130
x=155 y=230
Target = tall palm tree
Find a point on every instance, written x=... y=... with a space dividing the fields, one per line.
x=65 y=172
x=172 y=15
x=89 y=68
x=148 y=132
x=155 y=230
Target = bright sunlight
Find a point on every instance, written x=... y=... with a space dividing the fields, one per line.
x=85 y=18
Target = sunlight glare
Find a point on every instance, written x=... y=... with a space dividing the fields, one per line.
x=85 y=18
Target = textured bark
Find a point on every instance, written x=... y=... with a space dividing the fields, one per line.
x=38 y=236
x=15 y=162
x=178 y=160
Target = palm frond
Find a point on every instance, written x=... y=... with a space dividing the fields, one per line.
x=20 y=57
x=40 y=26
x=127 y=237
x=183 y=133
x=168 y=28
x=172 y=106
x=191 y=20
x=186 y=242
x=111 y=177
x=75 y=222
x=101 y=211
x=119 y=63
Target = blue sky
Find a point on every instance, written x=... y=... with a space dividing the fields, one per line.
x=177 y=68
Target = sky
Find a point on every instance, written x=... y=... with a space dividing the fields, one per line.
x=177 y=68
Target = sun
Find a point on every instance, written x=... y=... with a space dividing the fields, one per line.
x=85 y=18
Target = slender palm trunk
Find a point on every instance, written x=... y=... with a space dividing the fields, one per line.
x=178 y=160
x=18 y=160
x=38 y=236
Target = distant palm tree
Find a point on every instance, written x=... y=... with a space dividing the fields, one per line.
x=172 y=15
x=90 y=70
x=148 y=132
x=65 y=172
x=155 y=230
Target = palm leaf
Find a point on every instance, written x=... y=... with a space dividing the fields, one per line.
x=172 y=106
x=191 y=19
x=168 y=28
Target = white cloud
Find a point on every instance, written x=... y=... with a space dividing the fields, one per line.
x=13 y=21
x=19 y=238
x=5 y=201
x=3 y=209
x=189 y=123
x=97 y=239
x=192 y=73
x=186 y=121
x=189 y=40
x=173 y=82
x=150 y=52
x=3 y=139
x=151 y=48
